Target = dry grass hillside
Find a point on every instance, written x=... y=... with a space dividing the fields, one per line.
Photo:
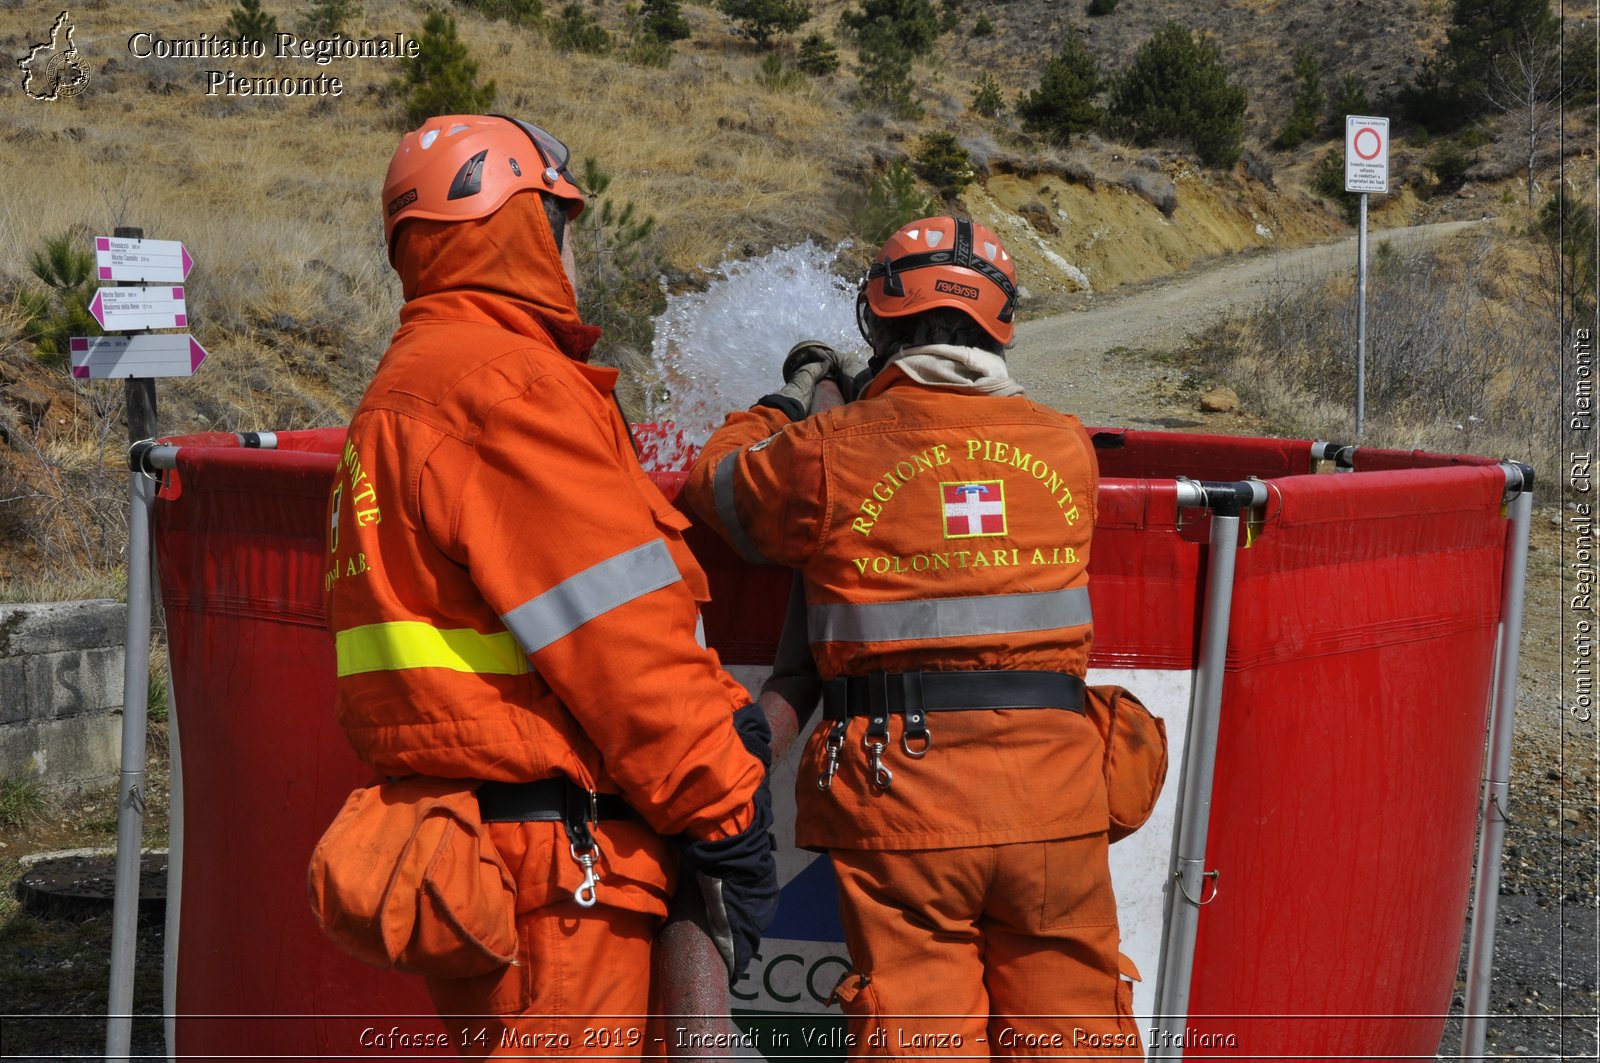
x=277 y=198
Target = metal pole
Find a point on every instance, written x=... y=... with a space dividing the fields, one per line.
x=130 y=801
x=1496 y=789
x=1186 y=881
x=141 y=413
x=1361 y=322
x=141 y=391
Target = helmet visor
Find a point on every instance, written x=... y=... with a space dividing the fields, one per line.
x=554 y=153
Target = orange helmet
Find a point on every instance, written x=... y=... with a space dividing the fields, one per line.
x=457 y=167
x=943 y=261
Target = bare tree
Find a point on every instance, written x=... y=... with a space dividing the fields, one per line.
x=1525 y=85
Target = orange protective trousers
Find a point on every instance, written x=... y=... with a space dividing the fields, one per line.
x=1004 y=950
x=580 y=988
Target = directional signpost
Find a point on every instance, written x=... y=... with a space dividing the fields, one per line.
x=141 y=261
x=135 y=309
x=143 y=291
x=115 y=357
x=1366 y=169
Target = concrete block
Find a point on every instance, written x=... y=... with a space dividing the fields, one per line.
x=49 y=627
x=61 y=666
x=67 y=756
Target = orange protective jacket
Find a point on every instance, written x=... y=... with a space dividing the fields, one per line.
x=510 y=596
x=938 y=529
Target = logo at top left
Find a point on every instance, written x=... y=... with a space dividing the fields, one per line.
x=52 y=69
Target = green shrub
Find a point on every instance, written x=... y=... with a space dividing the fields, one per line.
x=1177 y=88
x=1327 y=180
x=579 y=30
x=777 y=76
x=22 y=801
x=891 y=199
x=941 y=161
x=1308 y=99
x=443 y=78
x=1449 y=162
x=1581 y=79
x=986 y=98
x=818 y=55
x=648 y=51
x=890 y=35
x=328 y=18
x=761 y=20
x=516 y=12
x=1567 y=226
x=619 y=266
x=949 y=15
x=51 y=318
x=1349 y=98
x=1102 y=7
x=983 y=27
x=248 y=22
x=663 y=20
x=1063 y=103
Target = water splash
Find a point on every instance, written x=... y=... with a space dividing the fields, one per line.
x=720 y=350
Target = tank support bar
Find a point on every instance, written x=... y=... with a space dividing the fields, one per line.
x=1185 y=888
x=144 y=457
x=1497 y=776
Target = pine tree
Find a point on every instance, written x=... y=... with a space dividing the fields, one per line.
x=1450 y=88
x=579 y=31
x=941 y=161
x=890 y=35
x=663 y=20
x=761 y=20
x=986 y=98
x=328 y=18
x=248 y=22
x=1349 y=98
x=1063 y=104
x=443 y=78
x=1177 y=88
x=818 y=56
x=1308 y=99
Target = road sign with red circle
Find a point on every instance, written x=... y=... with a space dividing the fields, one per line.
x=1366 y=154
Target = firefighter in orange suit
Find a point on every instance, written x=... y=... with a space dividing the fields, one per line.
x=512 y=602
x=941 y=522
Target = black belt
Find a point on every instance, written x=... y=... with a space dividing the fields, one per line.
x=881 y=693
x=549 y=800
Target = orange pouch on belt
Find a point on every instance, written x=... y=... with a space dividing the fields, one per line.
x=1136 y=756
x=407 y=877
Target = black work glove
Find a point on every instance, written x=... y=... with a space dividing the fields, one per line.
x=738 y=875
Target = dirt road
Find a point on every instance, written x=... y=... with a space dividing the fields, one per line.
x=1098 y=361
x=1064 y=361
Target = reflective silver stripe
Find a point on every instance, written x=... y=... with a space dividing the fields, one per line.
x=722 y=493
x=948 y=618
x=598 y=589
x=700 y=630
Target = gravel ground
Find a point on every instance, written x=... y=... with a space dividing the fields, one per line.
x=1096 y=361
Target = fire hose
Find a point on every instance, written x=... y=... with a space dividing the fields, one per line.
x=689 y=991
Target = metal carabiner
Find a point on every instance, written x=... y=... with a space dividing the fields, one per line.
x=882 y=777
x=586 y=894
x=835 y=744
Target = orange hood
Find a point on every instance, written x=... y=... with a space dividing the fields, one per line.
x=503 y=268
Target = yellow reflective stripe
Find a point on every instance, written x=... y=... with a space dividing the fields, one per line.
x=414 y=644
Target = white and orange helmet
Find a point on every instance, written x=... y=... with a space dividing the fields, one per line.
x=462 y=166
x=943 y=262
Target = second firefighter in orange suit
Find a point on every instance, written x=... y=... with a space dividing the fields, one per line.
x=942 y=524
